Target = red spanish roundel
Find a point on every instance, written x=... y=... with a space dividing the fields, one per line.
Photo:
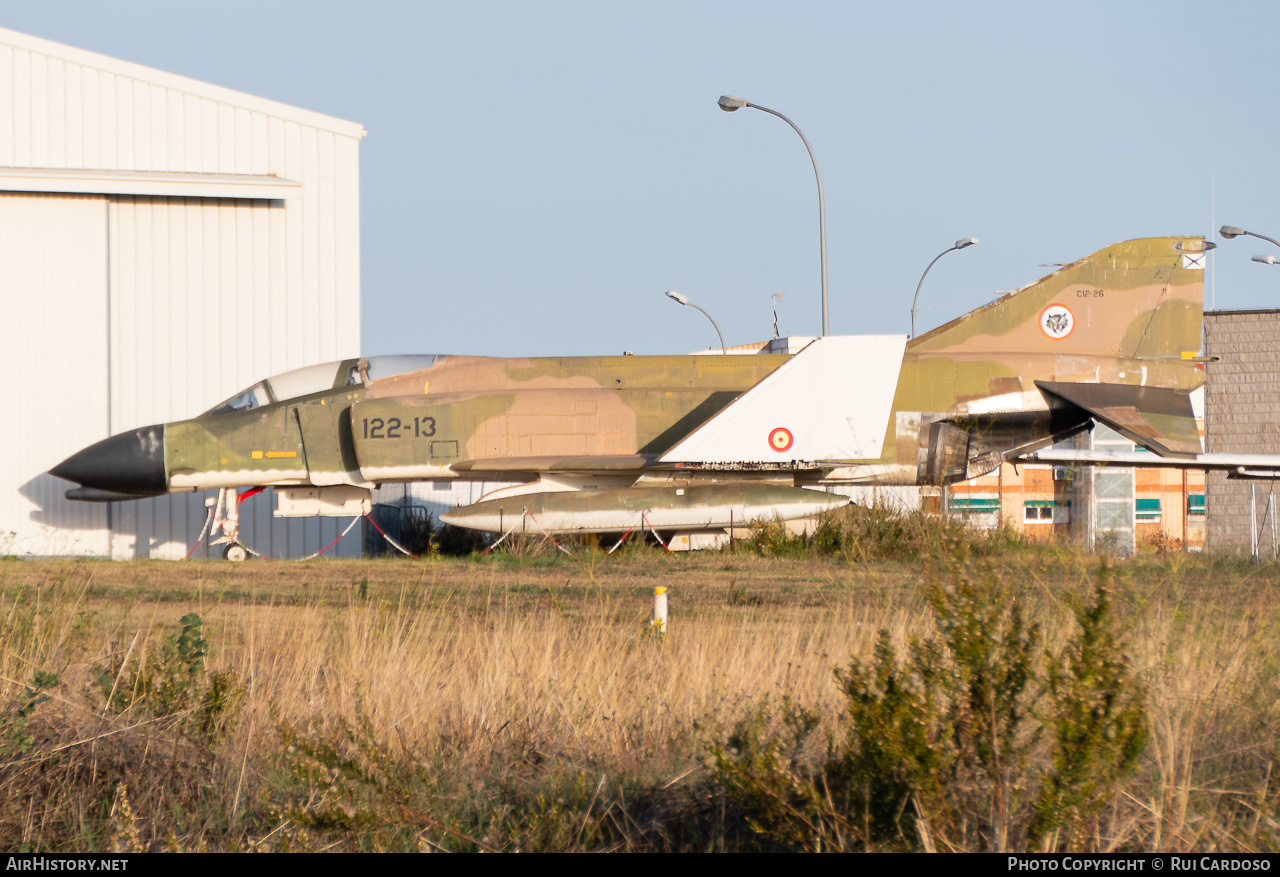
x=780 y=439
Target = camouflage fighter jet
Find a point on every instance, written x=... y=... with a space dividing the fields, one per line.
x=696 y=444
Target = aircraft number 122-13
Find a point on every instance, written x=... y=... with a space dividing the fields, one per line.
x=423 y=427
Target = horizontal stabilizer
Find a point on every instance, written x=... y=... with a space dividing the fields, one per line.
x=1234 y=465
x=1158 y=418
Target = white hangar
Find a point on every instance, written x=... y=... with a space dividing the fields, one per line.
x=164 y=243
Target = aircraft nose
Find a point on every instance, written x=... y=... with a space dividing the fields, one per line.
x=131 y=462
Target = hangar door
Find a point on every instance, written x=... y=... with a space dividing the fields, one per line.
x=121 y=311
x=54 y=335
x=198 y=304
x=124 y=308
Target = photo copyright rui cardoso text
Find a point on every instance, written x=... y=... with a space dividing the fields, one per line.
x=1153 y=863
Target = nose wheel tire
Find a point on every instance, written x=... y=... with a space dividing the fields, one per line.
x=234 y=553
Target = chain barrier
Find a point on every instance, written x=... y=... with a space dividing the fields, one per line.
x=645 y=518
x=207 y=518
x=336 y=540
x=551 y=538
x=393 y=543
x=620 y=541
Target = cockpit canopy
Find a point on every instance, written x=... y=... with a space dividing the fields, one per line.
x=312 y=379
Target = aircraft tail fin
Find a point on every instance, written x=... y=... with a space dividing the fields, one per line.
x=1134 y=307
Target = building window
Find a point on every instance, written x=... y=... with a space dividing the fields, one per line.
x=1195 y=505
x=1147 y=510
x=974 y=505
x=1038 y=512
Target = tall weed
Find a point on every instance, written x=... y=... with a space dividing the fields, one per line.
x=1097 y=725
x=878 y=534
x=939 y=747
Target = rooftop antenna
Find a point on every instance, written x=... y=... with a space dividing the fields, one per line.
x=775 y=297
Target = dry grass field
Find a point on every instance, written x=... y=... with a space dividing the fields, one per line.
x=520 y=701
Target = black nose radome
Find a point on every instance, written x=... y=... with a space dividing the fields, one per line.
x=131 y=462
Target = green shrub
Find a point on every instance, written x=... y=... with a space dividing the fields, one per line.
x=168 y=678
x=879 y=533
x=938 y=748
x=1097 y=727
x=783 y=798
x=417 y=531
x=454 y=541
x=15 y=738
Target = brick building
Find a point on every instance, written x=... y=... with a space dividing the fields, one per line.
x=1242 y=414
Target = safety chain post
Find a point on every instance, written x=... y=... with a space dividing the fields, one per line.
x=659 y=620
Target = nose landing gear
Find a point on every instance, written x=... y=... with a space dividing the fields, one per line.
x=226 y=516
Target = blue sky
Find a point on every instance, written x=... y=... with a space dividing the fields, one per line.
x=536 y=175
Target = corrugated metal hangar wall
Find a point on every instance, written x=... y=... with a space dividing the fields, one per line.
x=164 y=243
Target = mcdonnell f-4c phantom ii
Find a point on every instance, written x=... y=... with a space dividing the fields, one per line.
x=696 y=444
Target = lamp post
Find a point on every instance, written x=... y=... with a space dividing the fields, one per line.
x=684 y=300
x=959 y=245
x=1230 y=231
x=730 y=104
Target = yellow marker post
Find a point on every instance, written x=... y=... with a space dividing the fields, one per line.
x=659 y=620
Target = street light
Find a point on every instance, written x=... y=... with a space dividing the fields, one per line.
x=959 y=245
x=1265 y=260
x=730 y=104
x=684 y=300
x=1230 y=231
